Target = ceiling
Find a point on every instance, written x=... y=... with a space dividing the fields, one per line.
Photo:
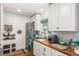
x=27 y=9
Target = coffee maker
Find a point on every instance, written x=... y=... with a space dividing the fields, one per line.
x=53 y=38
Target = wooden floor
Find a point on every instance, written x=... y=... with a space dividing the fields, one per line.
x=20 y=54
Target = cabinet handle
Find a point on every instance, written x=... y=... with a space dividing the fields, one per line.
x=44 y=54
x=57 y=28
x=44 y=49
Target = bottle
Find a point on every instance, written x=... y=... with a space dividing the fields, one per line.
x=62 y=40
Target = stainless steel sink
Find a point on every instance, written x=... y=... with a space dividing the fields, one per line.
x=62 y=47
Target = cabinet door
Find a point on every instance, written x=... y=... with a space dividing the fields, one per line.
x=40 y=49
x=46 y=51
x=62 y=17
x=57 y=53
x=66 y=17
x=53 y=16
x=37 y=49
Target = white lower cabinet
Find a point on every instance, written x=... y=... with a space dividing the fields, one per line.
x=36 y=48
x=46 y=51
x=57 y=53
x=42 y=50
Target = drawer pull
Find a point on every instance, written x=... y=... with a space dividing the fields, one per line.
x=57 y=28
x=44 y=54
x=44 y=49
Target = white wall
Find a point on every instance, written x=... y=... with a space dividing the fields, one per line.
x=18 y=22
x=1 y=25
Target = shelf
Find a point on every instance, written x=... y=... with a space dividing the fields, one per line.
x=6 y=51
x=9 y=39
x=13 y=50
x=9 y=48
x=9 y=36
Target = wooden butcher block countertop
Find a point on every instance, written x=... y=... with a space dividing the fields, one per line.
x=68 y=51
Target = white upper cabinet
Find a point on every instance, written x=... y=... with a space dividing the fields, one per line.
x=37 y=22
x=63 y=17
x=53 y=17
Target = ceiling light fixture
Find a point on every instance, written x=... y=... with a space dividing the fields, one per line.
x=41 y=9
x=18 y=10
x=46 y=12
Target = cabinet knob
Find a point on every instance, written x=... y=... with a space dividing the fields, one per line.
x=57 y=28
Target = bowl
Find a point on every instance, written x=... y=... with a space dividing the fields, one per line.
x=62 y=42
